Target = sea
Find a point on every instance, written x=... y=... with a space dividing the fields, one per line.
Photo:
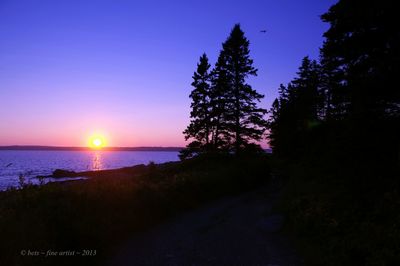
x=32 y=163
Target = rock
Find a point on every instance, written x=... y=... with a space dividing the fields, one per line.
x=63 y=173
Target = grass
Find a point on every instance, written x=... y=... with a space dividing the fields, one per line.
x=100 y=213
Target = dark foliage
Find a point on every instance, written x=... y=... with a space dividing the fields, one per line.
x=336 y=127
x=297 y=112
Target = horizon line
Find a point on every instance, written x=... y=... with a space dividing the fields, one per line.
x=111 y=148
x=50 y=147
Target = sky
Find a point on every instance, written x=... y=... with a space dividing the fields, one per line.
x=71 y=69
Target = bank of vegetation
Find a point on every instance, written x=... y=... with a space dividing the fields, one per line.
x=107 y=209
x=335 y=133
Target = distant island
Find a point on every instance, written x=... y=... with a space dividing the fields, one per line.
x=61 y=148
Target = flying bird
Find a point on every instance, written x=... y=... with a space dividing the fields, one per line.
x=9 y=164
x=263 y=31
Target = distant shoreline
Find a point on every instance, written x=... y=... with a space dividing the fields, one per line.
x=58 y=148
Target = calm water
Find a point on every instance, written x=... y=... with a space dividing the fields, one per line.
x=34 y=163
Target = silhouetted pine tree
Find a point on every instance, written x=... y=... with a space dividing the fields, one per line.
x=352 y=93
x=199 y=128
x=364 y=44
x=362 y=49
x=243 y=118
x=281 y=122
x=297 y=111
x=219 y=90
x=305 y=94
x=333 y=90
x=274 y=124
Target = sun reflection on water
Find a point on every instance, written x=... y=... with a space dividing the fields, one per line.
x=97 y=163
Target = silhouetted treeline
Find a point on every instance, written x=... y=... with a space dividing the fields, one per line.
x=225 y=115
x=348 y=102
x=335 y=132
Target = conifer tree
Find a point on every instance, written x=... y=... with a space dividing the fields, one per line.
x=297 y=110
x=362 y=44
x=219 y=89
x=244 y=119
x=305 y=92
x=199 y=128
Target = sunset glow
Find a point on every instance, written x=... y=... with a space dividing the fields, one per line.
x=129 y=74
x=96 y=142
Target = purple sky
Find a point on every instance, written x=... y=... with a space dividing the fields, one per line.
x=122 y=69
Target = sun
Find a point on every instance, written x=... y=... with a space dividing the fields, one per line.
x=96 y=142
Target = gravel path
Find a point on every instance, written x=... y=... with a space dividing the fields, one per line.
x=234 y=231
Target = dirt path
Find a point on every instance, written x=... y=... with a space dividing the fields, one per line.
x=235 y=231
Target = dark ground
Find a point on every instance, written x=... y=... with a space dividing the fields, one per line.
x=239 y=230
